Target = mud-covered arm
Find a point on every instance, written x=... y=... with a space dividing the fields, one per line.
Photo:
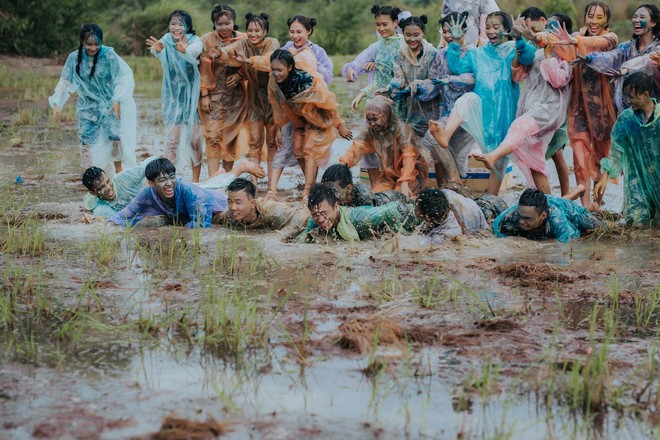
x=358 y=149
x=458 y=65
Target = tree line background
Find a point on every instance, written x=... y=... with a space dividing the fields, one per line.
x=50 y=28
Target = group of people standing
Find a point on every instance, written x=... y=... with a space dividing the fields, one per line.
x=495 y=89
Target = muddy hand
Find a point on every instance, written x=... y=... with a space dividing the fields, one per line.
x=154 y=44
x=345 y=132
x=655 y=58
x=351 y=76
x=456 y=28
x=599 y=188
x=356 y=102
x=369 y=66
x=241 y=58
x=233 y=80
x=562 y=35
x=182 y=44
x=616 y=73
x=206 y=104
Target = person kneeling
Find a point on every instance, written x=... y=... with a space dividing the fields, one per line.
x=329 y=219
x=181 y=202
x=538 y=216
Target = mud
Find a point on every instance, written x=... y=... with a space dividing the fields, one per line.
x=163 y=332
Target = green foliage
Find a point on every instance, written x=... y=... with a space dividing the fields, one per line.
x=564 y=6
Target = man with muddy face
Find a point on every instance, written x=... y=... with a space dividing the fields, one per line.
x=107 y=196
x=247 y=212
x=538 y=216
x=331 y=220
x=349 y=194
x=181 y=202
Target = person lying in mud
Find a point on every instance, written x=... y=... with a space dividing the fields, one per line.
x=330 y=220
x=446 y=214
x=636 y=153
x=247 y=212
x=357 y=194
x=107 y=196
x=181 y=202
x=538 y=216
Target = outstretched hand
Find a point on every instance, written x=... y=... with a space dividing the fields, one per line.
x=456 y=28
x=599 y=188
x=241 y=58
x=616 y=73
x=154 y=44
x=655 y=58
x=369 y=66
x=182 y=44
x=345 y=132
x=562 y=35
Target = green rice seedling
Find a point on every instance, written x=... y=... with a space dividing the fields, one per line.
x=647 y=308
x=26 y=117
x=105 y=249
x=22 y=235
x=484 y=382
x=386 y=291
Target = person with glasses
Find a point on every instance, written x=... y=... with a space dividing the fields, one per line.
x=330 y=220
x=181 y=202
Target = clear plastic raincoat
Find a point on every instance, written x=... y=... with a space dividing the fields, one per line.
x=98 y=126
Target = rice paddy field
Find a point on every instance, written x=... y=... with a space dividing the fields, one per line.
x=171 y=333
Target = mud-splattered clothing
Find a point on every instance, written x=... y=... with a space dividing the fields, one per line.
x=636 y=153
x=385 y=51
x=305 y=101
x=126 y=184
x=98 y=126
x=626 y=55
x=275 y=216
x=366 y=221
x=228 y=105
x=409 y=69
x=363 y=195
x=566 y=220
x=193 y=207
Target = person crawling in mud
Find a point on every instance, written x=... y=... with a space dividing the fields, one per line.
x=357 y=194
x=107 y=196
x=446 y=214
x=247 y=212
x=538 y=216
x=181 y=202
x=330 y=220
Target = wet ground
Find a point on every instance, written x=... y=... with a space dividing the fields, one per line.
x=171 y=333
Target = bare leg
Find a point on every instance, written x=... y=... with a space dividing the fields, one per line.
x=373 y=176
x=118 y=166
x=272 y=183
x=443 y=135
x=574 y=193
x=301 y=162
x=213 y=165
x=196 y=171
x=562 y=171
x=227 y=165
x=252 y=161
x=311 y=170
x=494 y=184
x=541 y=182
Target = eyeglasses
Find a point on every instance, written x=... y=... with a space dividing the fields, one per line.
x=164 y=179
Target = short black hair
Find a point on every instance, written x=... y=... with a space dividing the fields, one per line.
x=91 y=175
x=157 y=167
x=564 y=20
x=534 y=198
x=242 y=184
x=533 y=13
x=638 y=83
x=433 y=204
x=339 y=173
x=319 y=193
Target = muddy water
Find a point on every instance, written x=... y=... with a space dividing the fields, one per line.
x=472 y=336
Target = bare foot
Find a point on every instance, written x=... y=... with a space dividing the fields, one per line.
x=576 y=192
x=253 y=168
x=487 y=159
x=272 y=196
x=305 y=198
x=594 y=207
x=439 y=133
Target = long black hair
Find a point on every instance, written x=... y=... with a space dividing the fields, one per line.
x=187 y=20
x=87 y=31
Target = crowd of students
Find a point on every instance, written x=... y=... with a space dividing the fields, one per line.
x=495 y=89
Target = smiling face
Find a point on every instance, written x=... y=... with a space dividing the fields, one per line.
x=530 y=219
x=103 y=188
x=280 y=70
x=298 y=34
x=345 y=195
x=641 y=22
x=413 y=35
x=596 y=21
x=177 y=27
x=385 y=26
x=255 y=33
x=375 y=120
x=91 y=45
x=446 y=33
x=637 y=102
x=495 y=30
x=326 y=215
x=241 y=205
x=224 y=26
x=164 y=186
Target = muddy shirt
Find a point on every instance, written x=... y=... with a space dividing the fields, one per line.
x=275 y=216
x=363 y=196
x=364 y=222
x=565 y=221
